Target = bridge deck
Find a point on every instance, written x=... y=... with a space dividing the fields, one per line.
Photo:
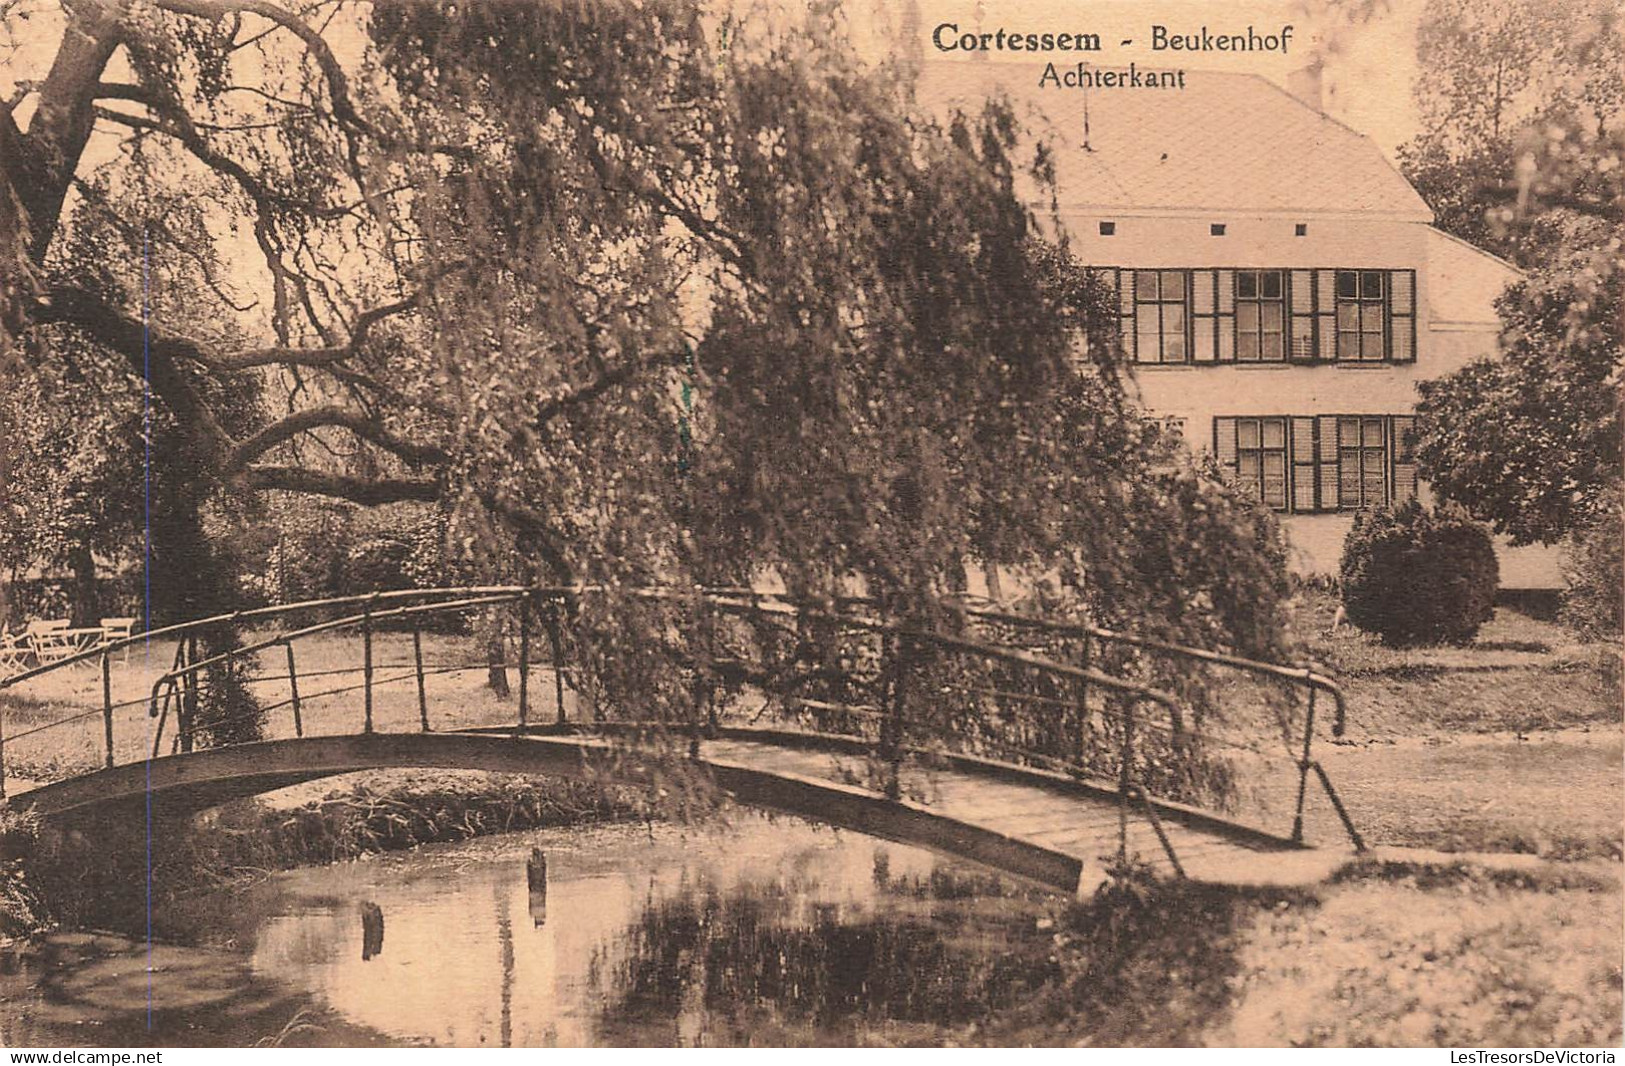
x=1053 y=814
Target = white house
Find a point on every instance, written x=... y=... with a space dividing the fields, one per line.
x=1280 y=287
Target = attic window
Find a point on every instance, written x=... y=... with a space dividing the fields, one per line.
x=1108 y=228
x=1217 y=229
x=1301 y=229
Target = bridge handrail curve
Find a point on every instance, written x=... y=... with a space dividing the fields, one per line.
x=180 y=628
x=1305 y=674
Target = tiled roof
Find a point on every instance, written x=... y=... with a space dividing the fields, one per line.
x=1224 y=142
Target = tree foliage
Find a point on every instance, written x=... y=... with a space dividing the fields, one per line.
x=1524 y=154
x=1519 y=104
x=636 y=293
x=1531 y=440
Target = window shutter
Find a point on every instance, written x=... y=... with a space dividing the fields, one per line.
x=1302 y=452
x=1326 y=314
x=1301 y=286
x=1224 y=445
x=1227 y=316
x=1403 y=448
x=1329 y=468
x=1204 y=342
x=1402 y=316
x=1202 y=294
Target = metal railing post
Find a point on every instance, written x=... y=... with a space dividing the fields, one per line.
x=107 y=704
x=187 y=707
x=2 y=754
x=293 y=692
x=1125 y=776
x=712 y=719
x=556 y=639
x=1083 y=705
x=366 y=664
x=893 y=746
x=168 y=685
x=1337 y=805
x=524 y=659
x=1303 y=766
x=417 y=664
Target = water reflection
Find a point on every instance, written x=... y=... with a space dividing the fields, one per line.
x=765 y=932
x=536 y=881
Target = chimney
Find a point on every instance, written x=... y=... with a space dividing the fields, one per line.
x=1304 y=83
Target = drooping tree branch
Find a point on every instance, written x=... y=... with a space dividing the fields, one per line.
x=315 y=357
x=338 y=84
x=365 y=491
x=311 y=418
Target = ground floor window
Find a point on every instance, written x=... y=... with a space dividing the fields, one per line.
x=1315 y=463
x=1261 y=458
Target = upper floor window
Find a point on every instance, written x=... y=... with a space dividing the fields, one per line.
x=1162 y=316
x=1209 y=315
x=1260 y=316
x=1362 y=303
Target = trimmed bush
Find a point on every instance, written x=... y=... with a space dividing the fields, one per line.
x=1414 y=576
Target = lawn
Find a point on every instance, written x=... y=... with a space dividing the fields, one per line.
x=1513 y=743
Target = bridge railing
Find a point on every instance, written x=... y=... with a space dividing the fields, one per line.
x=1295 y=693
x=1057 y=696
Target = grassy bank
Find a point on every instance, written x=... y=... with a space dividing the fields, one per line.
x=96 y=875
x=1511 y=743
x=1387 y=955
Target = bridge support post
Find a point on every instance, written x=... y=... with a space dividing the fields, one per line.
x=417 y=662
x=293 y=692
x=1303 y=766
x=107 y=705
x=524 y=659
x=1083 y=702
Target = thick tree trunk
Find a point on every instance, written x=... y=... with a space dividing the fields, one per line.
x=191 y=580
x=84 y=605
x=496 y=656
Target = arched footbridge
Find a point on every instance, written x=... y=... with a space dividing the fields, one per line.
x=1044 y=749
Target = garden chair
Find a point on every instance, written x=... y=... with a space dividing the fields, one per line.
x=117 y=629
x=50 y=640
x=14 y=652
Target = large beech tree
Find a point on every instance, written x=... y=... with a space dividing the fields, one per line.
x=643 y=293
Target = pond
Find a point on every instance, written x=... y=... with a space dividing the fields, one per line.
x=762 y=931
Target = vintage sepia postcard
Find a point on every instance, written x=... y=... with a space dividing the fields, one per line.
x=811 y=523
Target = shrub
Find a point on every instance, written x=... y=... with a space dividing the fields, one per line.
x=377 y=564
x=1415 y=576
x=1595 y=572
